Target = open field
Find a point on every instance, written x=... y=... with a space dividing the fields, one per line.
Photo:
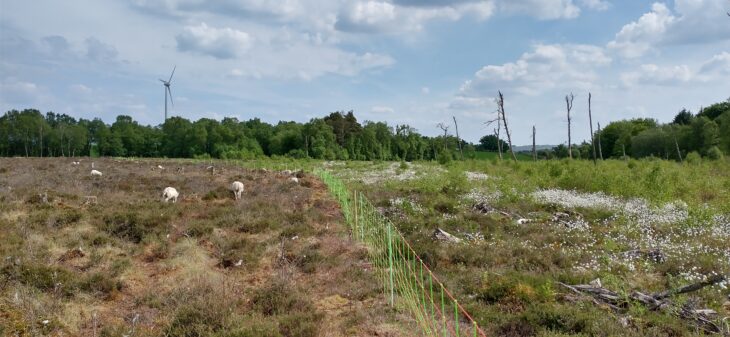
x=646 y=226
x=279 y=262
x=276 y=263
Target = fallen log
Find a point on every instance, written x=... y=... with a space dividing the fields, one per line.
x=692 y=287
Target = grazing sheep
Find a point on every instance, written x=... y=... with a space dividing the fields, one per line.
x=294 y=180
x=75 y=163
x=170 y=193
x=286 y=172
x=95 y=173
x=160 y=167
x=237 y=188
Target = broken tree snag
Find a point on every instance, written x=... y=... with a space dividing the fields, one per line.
x=499 y=143
x=534 y=152
x=445 y=129
x=692 y=287
x=458 y=140
x=679 y=153
x=569 y=106
x=600 y=152
x=442 y=235
x=593 y=137
x=500 y=106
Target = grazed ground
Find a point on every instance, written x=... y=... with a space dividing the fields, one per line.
x=103 y=256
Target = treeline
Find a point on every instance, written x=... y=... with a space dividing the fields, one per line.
x=336 y=136
x=706 y=133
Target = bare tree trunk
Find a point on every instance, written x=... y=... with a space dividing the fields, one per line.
x=600 y=152
x=499 y=133
x=679 y=153
x=458 y=140
x=40 y=131
x=500 y=103
x=569 y=106
x=623 y=150
x=499 y=143
x=593 y=137
x=534 y=151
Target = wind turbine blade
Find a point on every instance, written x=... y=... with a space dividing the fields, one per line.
x=161 y=80
x=173 y=73
x=170 y=91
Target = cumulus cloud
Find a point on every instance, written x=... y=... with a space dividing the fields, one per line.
x=655 y=75
x=598 y=5
x=221 y=43
x=636 y=38
x=546 y=67
x=718 y=65
x=100 y=51
x=692 y=21
x=542 y=9
x=18 y=92
x=717 y=68
x=379 y=109
x=374 y=16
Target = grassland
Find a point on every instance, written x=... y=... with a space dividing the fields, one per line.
x=279 y=263
x=276 y=263
x=526 y=227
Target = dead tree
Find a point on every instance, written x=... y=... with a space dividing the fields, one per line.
x=500 y=105
x=499 y=143
x=590 y=120
x=600 y=152
x=569 y=106
x=676 y=144
x=534 y=152
x=445 y=129
x=458 y=140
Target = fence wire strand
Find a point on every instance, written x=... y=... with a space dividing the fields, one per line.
x=408 y=283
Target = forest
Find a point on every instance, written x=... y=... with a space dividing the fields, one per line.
x=340 y=136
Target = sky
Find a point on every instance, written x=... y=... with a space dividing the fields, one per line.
x=400 y=61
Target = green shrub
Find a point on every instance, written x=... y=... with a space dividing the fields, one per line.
x=693 y=158
x=714 y=153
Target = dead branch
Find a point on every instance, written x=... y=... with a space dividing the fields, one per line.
x=569 y=106
x=500 y=105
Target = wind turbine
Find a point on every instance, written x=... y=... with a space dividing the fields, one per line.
x=167 y=90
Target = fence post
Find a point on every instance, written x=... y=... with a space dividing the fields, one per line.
x=390 y=264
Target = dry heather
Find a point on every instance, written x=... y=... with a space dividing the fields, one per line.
x=103 y=256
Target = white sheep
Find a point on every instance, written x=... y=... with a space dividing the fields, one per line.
x=294 y=180
x=95 y=173
x=286 y=172
x=237 y=188
x=160 y=167
x=74 y=163
x=170 y=193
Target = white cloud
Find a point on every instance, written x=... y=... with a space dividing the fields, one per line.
x=374 y=16
x=222 y=43
x=695 y=21
x=718 y=65
x=547 y=66
x=637 y=38
x=598 y=5
x=717 y=68
x=379 y=109
x=542 y=9
x=425 y=90
x=652 y=74
x=80 y=89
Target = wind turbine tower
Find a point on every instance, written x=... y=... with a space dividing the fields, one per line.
x=167 y=90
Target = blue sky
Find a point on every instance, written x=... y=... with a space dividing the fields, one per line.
x=400 y=61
